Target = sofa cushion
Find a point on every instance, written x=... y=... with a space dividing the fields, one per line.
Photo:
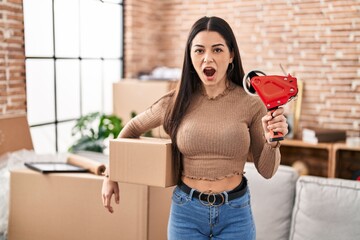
x=272 y=201
x=326 y=209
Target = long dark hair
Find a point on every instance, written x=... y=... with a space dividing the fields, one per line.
x=191 y=83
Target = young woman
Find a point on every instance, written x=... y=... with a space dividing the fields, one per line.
x=214 y=126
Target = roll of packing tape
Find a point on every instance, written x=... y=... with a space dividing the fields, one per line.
x=91 y=165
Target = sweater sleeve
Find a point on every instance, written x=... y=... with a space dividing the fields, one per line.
x=147 y=120
x=265 y=157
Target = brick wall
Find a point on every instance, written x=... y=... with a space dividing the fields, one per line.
x=143 y=27
x=12 y=55
x=316 y=40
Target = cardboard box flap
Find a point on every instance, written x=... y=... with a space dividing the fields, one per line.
x=14 y=134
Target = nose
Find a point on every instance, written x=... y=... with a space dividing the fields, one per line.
x=208 y=58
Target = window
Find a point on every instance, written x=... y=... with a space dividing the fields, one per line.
x=73 y=52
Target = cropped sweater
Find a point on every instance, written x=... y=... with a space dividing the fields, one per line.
x=216 y=136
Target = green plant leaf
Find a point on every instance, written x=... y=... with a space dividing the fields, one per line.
x=92 y=138
x=84 y=125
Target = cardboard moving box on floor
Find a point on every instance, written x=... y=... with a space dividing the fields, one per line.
x=143 y=161
x=69 y=206
x=133 y=95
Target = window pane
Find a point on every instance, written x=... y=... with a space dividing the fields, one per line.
x=44 y=139
x=65 y=140
x=112 y=30
x=91 y=82
x=67 y=28
x=112 y=70
x=68 y=89
x=82 y=28
x=90 y=28
x=40 y=91
x=38 y=28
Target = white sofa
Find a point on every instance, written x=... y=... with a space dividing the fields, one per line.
x=289 y=207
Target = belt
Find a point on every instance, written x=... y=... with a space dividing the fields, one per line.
x=216 y=199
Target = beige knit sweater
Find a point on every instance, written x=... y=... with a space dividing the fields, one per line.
x=216 y=136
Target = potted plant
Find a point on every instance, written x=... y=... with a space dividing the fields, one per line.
x=93 y=130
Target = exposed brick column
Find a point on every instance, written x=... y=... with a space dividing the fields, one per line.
x=143 y=28
x=12 y=56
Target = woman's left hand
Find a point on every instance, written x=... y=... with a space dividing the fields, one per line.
x=275 y=121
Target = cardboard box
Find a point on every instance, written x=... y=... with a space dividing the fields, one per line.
x=69 y=206
x=143 y=161
x=14 y=134
x=131 y=95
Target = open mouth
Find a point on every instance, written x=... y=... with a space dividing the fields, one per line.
x=209 y=72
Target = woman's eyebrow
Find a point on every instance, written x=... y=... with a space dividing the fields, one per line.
x=215 y=45
x=218 y=45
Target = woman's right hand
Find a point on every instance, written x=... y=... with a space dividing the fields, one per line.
x=110 y=188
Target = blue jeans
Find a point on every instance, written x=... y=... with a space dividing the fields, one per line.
x=191 y=220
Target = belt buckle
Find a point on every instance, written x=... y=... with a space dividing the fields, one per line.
x=210 y=203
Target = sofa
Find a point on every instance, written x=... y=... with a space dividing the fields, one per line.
x=293 y=207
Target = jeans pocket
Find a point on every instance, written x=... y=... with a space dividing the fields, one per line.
x=179 y=197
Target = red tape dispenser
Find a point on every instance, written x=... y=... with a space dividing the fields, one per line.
x=274 y=91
